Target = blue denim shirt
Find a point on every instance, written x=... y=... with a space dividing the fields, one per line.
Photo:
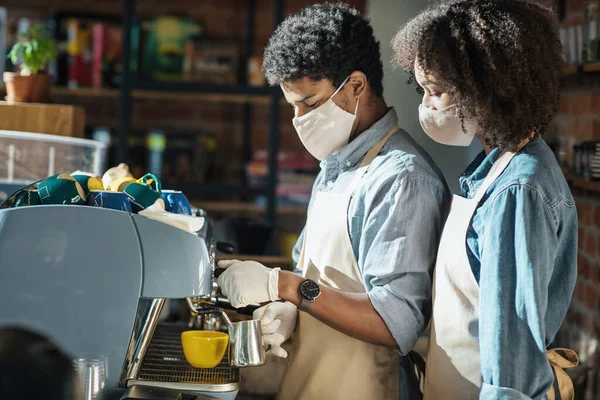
x=522 y=246
x=395 y=220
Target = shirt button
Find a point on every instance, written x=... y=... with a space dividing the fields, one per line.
x=330 y=184
x=348 y=164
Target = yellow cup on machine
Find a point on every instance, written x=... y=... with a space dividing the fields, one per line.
x=119 y=184
x=204 y=349
x=88 y=182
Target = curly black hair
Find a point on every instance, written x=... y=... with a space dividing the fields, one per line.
x=324 y=41
x=501 y=60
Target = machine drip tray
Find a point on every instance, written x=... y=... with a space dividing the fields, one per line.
x=165 y=366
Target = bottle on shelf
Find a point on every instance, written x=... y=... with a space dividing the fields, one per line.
x=577 y=159
x=591 y=27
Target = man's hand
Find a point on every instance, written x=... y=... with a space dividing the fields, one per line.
x=278 y=322
x=248 y=282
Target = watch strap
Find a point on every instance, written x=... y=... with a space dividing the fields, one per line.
x=305 y=305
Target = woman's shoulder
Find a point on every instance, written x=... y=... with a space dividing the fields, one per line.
x=535 y=168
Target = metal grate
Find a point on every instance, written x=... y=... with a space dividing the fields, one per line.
x=165 y=362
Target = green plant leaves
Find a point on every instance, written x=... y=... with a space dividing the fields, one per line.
x=33 y=51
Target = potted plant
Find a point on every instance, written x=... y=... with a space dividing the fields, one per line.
x=32 y=53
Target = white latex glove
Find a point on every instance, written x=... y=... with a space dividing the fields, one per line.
x=278 y=321
x=248 y=282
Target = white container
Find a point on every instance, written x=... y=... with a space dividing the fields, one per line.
x=28 y=157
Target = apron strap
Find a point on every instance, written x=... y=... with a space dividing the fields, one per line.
x=561 y=359
x=374 y=151
x=497 y=169
x=368 y=159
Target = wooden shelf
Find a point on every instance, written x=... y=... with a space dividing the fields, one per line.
x=586 y=68
x=84 y=92
x=229 y=207
x=570 y=70
x=591 y=67
x=159 y=95
x=232 y=98
x=269 y=261
x=581 y=183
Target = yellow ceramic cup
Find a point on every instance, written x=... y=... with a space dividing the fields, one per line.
x=204 y=349
x=119 y=185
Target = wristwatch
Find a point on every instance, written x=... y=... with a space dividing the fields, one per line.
x=309 y=291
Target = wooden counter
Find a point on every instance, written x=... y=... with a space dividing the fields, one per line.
x=51 y=119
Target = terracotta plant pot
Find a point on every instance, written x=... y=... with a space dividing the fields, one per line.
x=40 y=92
x=18 y=88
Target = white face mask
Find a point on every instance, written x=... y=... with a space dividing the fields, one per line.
x=325 y=129
x=444 y=126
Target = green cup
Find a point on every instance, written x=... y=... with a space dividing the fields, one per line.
x=27 y=197
x=142 y=196
x=61 y=189
x=152 y=181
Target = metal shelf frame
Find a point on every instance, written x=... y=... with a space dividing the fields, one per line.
x=131 y=82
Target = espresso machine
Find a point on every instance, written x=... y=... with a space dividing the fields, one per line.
x=95 y=281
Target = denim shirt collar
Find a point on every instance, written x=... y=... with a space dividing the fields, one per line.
x=349 y=155
x=473 y=177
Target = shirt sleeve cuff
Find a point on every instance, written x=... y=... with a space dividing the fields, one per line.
x=398 y=317
x=491 y=392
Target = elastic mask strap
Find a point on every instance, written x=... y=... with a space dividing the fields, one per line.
x=340 y=88
x=449 y=107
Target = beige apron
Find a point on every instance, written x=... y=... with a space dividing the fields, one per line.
x=325 y=363
x=453 y=359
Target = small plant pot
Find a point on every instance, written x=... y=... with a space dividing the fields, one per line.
x=18 y=88
x=40 y=91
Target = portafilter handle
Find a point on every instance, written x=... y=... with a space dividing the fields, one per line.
x=225 y=247
x=217 y=303
x=218 y=271
x=222 y=302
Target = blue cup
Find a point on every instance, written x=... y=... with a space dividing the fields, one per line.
x=107 y=199
x=176 y=202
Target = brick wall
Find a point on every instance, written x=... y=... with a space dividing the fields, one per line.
x=581 y=330
x=579 y=120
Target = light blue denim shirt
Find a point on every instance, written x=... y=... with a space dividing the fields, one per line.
x=395 y=220
x=522 y=246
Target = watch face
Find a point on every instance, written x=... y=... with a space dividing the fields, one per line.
x=310 y=290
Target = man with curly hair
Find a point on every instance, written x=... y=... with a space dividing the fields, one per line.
x=507 y=263
x=375 y=217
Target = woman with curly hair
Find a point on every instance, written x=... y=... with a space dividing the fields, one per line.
x=507 y=261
